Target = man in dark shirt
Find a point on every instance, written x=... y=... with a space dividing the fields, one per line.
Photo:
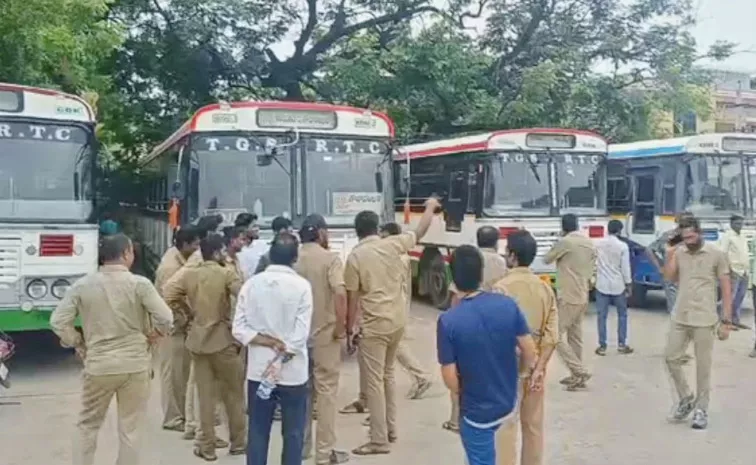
x=477 y=349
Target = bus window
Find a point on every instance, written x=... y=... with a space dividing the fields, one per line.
x=618 y=195
x=669 y=190
x=644 y=212
x=713 y=184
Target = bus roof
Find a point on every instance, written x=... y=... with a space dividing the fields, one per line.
x=725 y=143
x=517 y=139
x=18 y=101
x=279 y=117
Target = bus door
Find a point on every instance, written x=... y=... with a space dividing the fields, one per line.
x=460 y=184
x=644 y=209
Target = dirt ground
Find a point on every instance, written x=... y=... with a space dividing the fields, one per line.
x=619 y=420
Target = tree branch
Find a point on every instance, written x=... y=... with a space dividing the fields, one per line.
x=312 y=20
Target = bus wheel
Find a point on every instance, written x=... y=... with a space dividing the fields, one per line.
x=638 y=297
x=437 y=283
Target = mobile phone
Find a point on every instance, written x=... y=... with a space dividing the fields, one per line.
x=676 y=239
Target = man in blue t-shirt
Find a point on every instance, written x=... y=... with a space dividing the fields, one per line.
x=477 y=349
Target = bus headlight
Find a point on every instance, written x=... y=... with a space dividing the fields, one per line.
x=36 y=289
x=59 y=288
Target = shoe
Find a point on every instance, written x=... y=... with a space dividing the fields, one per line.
x=601 y=350
x=176 y=426
x=220 y=443
x=624 y=349
x=189 y=434
x=753 y=353
x=579 y=382
x=420 y=388
x=238 y=451
x=568 y=380
x=700 y=419
x=208 y=456
x=336 y=457
x=683 y=408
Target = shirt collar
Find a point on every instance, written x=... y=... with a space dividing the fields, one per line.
x=520 y=270
x=280 y=269
x=489 y=249
x=113 y=268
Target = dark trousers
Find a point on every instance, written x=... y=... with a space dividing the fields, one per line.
x=293 y=401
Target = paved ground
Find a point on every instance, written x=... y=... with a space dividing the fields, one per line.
x=619 y=420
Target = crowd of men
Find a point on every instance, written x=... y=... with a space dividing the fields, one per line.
x=229 y=307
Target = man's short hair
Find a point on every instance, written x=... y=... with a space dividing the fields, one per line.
x=245 y=219
x=569 y=223
x=186 y=235
x=232 y=232
x=279 y=223
x=736 y=217
x=366 y=223
x=113 y=247
x=210 y=245
x=487 y=237
x=208 y=224
x=524 y=247
x=392 y=229
x=614 y=227
x=284 y=250
x=467 y=268
x=690 y=222
x=311 y=227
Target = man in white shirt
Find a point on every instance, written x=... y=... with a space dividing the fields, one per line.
x=735 y=246
x=254 y=258
x=613 y=284
x=273 y=315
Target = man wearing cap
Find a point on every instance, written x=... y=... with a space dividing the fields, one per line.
x=325 y=272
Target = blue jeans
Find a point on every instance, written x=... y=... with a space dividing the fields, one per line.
x=602 y=306
x=739 y=289
x=479 y=443
x=293 y=401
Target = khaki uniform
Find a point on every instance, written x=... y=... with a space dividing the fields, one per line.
x=325 y=272
x=172 y=358
x=403 y=354
x=575 y=257
x=695 y=317
x=208 y=289
x=376 y=271
x=117 y=310
x=538 y=303
x=494 y=269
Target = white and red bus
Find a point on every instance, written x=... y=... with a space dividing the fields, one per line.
x=271 y=158
x=513 y=179
x=48 y=235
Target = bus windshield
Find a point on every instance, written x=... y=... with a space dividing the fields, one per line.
x=715 y=185
x=340 y=177
x=517 y=185
x=231 y=179
x=581 y=184
x=45 y=172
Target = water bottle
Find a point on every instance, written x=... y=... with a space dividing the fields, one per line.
x=265 y=388
x=268 y=382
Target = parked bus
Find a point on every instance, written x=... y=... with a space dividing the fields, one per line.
x=525 y=178
x=649 y=182
x=271 y=159
x=48 y=236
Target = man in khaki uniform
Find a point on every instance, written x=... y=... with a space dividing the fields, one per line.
x=325 y=273
x=698 y=268
x=537 y=302
x=121 y=315
x=374 y=277
x=575 y=257
x=494 y=269
x=207 y=289
x=173 y=358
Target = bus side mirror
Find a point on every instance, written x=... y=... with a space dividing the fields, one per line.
x=378 y=181
x=264 y=160
x=177 y=190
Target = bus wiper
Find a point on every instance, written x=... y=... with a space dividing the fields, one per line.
x=534 y=169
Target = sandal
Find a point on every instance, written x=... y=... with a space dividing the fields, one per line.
x=448 y=426
x=372 y=449
x=206 y=456
x=354 y=407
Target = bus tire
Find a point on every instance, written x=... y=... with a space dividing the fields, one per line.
x=638 y=296
x=436 y=282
